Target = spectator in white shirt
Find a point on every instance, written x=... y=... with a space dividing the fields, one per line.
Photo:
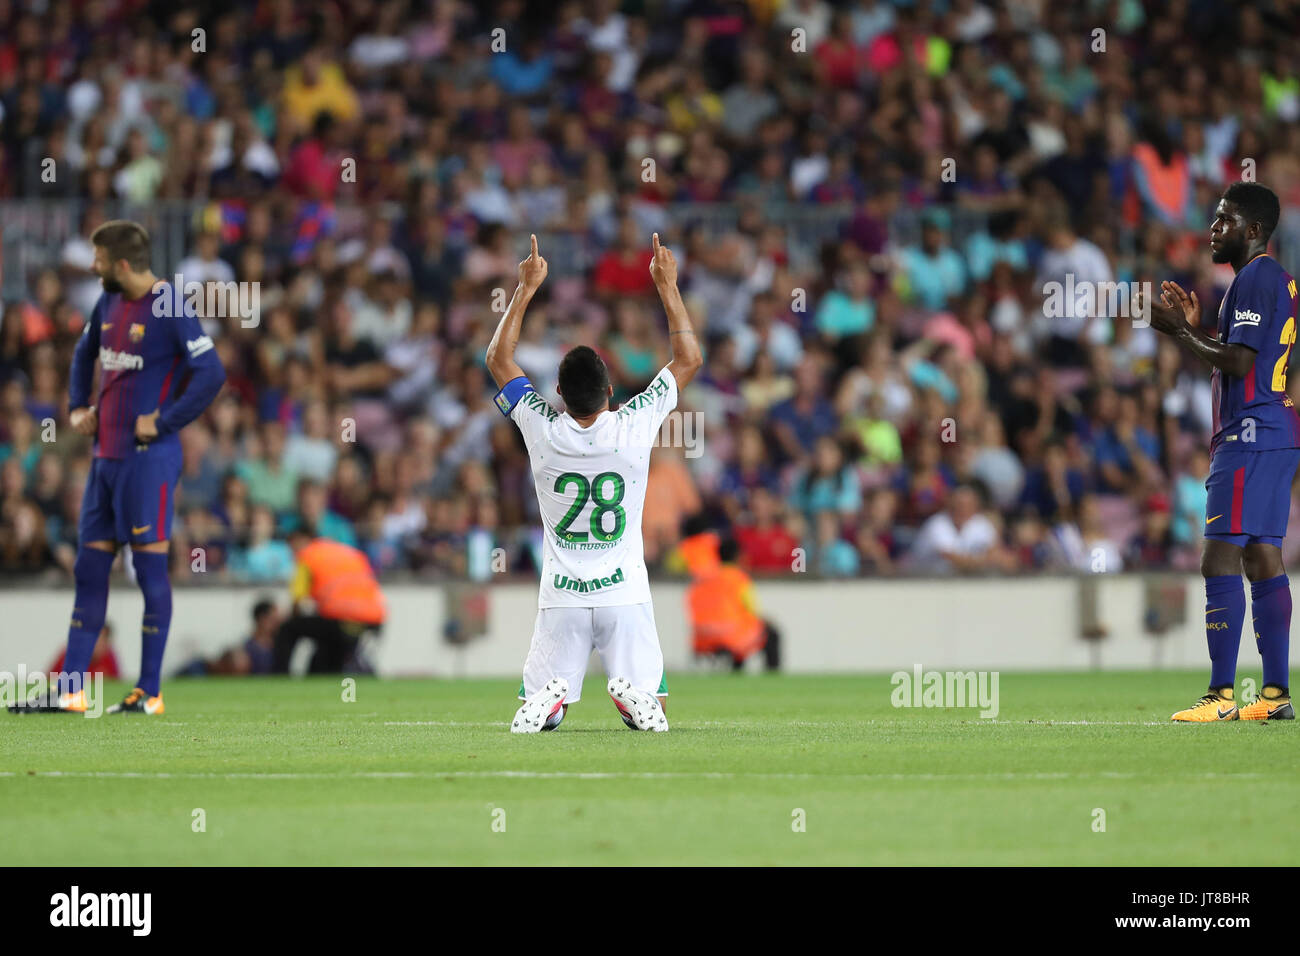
x=958 y=539
x=383 y=314
x=204 y=264
x=1071 y=265
x=311 y=453
x=766 y=333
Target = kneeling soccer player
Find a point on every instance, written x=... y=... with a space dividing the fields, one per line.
x=589 y=469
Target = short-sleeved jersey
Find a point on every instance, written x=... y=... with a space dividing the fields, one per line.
x=591 y=492
x=145 y=349
x=1258 y=311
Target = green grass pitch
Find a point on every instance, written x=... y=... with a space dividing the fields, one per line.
x=425 y=772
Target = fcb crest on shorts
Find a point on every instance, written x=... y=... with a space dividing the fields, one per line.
x=136 y=332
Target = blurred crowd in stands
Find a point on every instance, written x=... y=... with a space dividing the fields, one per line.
x=894 y=395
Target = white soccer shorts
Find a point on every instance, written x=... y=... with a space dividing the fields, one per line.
x=624 y=636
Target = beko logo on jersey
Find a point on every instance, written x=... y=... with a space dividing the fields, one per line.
x=198 y=346
x=1245 y=318
x=565 y=583
x=114 y=361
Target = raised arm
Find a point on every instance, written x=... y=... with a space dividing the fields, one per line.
x=501 y=362
x=687 y=357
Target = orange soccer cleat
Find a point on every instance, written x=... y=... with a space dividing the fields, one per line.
x=138 y=702
x=1274 y=703
x=1213 y=706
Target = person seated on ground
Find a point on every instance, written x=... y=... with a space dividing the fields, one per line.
x=260 y=646
x=336 y=599
x=253 y=655
x=725 y=624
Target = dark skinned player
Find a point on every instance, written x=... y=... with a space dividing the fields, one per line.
x=1254 y=451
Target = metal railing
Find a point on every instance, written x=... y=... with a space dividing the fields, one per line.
x=33 y=232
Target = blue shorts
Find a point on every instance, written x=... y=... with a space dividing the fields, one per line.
x=129 y=500
x=1249 y=497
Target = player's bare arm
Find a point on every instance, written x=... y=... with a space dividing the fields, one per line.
x=501 y=350
x=1177 y=314
x=687 y=358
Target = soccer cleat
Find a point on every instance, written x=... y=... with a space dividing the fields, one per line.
x=1263 y=707
x=639 y=710
x=538 y=710
x=51 y=703
x=138 y=702
x=1209 y=708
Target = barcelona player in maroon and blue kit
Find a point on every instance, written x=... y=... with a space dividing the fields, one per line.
x=158 y=372
x=1254 y=451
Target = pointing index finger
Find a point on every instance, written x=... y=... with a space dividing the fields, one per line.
x=533 y=236
x=656 y=243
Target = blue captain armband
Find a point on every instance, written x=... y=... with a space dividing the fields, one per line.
x=511 y=392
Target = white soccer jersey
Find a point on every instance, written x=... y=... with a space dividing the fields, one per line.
x=591 y=491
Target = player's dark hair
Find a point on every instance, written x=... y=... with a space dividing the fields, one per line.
x=1256 y=203
x=584 y=381
x=123 y=239
x=263 y=607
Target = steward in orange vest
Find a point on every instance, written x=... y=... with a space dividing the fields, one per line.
x=336 y=598
x=339 y=581
x=720 y=601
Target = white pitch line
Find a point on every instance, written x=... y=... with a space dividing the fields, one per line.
x=612 y=775
x=835 y=724
x=441 y=723
x=1075 y=723
x=755 y=724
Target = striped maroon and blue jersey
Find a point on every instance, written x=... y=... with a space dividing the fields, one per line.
x=153 y=356
x=1258 y=311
